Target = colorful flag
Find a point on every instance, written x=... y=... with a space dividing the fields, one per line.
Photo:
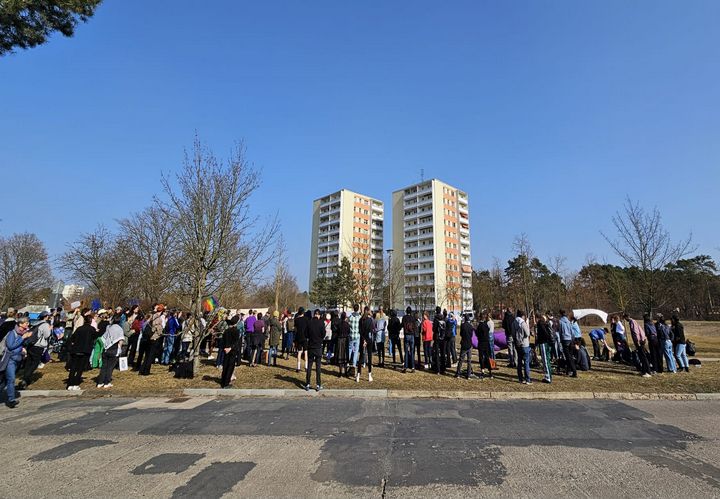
x=209 y=304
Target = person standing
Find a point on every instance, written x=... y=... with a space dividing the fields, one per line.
x=380 y=330
x=393 y=329
x=231 y=349
x=439 y=338
x=155 y=343
x=543 y=340
x=665 y=337
x=367 y=343
x=341 y=347
x=411 y=334
x=275 y=335
x=521 y=336
x=680 y=343
x=171 y=330
x=491 y=334
x=450 y=349
x=315 y=337
x=566 y=339
x=507 y=323
x=354 y=343
x=639 y=340
x=483 y=336
x=258 y=340
x=466 y=334
x=80 y=346
x=653 y=344
x=112 y=346
x=41 y=335
x=14 y=352
x=427 y=336
x=301 y=342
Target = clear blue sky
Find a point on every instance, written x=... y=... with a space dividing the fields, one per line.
x=548 y=113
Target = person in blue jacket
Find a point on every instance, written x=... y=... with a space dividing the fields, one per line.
x=14 y=352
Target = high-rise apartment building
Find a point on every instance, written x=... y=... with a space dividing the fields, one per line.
x=347 y=225
x=431 y=240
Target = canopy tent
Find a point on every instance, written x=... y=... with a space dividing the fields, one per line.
x=584 y=312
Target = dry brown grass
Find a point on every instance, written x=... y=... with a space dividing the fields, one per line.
x=604 y=377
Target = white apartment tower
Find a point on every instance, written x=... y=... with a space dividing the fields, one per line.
x=431 y=239
x=347 y=225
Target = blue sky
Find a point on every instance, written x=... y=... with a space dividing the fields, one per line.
x=547 y=113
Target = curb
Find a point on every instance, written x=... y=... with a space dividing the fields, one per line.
x=50 y=393
x=400 y=394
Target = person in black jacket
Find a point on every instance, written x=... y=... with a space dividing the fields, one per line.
x=440 y=334
x=231 y=348
x=507 y=323
x=301 y=343
x=680 y=343
x=466 y=334
x=315 y=337
x=367 y=327
x=80 y=346
x=543 y=339
x=484 y=352
x=394 y=327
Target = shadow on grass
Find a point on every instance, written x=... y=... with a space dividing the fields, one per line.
x=294 y=381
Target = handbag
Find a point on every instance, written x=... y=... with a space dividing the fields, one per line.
x=123 y=363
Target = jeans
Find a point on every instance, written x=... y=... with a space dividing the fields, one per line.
x=353 y=350
x=597 y=351
x=523 y=364
x=467 y=355
x=669 y=357
x=512 y=352
x=545 y=356
x=272 y=355
x=10 y=371
x=167 y=351
x=409 y=352
x=288 y=342
x=221 y=352
x=368 y=349
x=491 y=345
x=185 y=349
x=380 y=350
x=681 y=355
x=427 y=350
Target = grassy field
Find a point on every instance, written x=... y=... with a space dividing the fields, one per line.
x=604 y=377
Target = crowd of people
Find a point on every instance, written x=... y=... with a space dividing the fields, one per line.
x=126 y=338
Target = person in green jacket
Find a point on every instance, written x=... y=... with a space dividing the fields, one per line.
x=275 y=336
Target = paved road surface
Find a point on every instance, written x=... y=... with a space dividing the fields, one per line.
x=362 y=448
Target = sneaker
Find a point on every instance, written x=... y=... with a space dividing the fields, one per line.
x=307 y=387
x=318 y=388
x=211 y=357
x=646 y=375
x=101 y=385
x=427 y=366
x=370 y=377
x=545 y=380
x=524 y=382
x=233 y=377
x=41 y=365
x=108 y=385
x=357 y=378
x=70 y=388
x=12 y=405
x=528 y=382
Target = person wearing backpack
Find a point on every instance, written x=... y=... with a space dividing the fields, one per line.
x=12 y=356
x=680 y=343
x=440 y=332
x=521 y=337
x=35 y=346
x=466 y=334
x=367 y=343
x=410 y=331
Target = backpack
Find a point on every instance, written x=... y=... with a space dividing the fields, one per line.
x=517 y=333
x=34 y=337
x=147 y=331
x=690 y=348
x=441 y=329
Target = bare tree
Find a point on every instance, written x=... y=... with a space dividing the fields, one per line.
x=148 y=242
x=24 y=269
x=642 y=242
x=557 y=267
x=217 y=238
x=99 y=260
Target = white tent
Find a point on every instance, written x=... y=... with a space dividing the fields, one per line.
x=584 y=312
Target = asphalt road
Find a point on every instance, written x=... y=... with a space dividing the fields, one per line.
x=364 y=448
